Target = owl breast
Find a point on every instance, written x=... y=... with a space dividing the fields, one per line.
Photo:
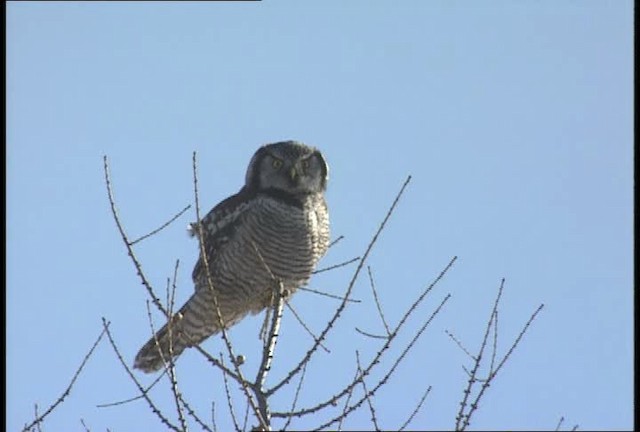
x=273 y=241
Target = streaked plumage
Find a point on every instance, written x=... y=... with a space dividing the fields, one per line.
x=277 y=224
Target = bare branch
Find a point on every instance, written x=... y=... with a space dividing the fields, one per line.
x=295 y=314
x=459 y=344
x=463 y=419
x=270 y=343
x=146 y=397
x=335 y=242
x=494 y=351
x=256 y=396
x=328 y=295
x=171 y=296
x=84 y=425
x=127 y=243
x=344 y=414
x=561 y=421
x=375 y=296
x=213 y=416
x=134 y=398
x=35 y=413
x=39 y=418
x=415 y=411
x=246 y=417
x=376 y=360
x=517 y=341
x=335 y=266
x=169 y=365
x=229 y=403
x=384 y=379
x=171 y=368
x=163 y=226
x=214 y=361
x=193 y=414
x=372 y=410
x=371 y=335
x=295 y=398
x=268 y=352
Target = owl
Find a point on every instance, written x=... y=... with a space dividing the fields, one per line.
x=275 y=228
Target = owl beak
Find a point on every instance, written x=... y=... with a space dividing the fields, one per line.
x=293 y=174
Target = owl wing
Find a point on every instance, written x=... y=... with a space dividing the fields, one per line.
x=218 y=226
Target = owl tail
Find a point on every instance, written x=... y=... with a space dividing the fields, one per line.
x=156 y=352
x=187 y=328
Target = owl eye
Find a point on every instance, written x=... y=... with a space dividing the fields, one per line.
x=277 y=163
x=306 y=163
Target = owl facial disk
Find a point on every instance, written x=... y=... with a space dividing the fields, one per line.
x=287 y=166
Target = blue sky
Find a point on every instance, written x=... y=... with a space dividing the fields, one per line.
x=515 y=120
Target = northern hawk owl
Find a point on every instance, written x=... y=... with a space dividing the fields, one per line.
x=276 y=226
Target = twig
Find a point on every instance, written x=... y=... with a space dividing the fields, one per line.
x=460 y=424
x=561 y=421
x=246 y=417
x=333 y=243
x=463 y=419
x=295 y=314
x=214 y=361
x=35 y=413
x=157 y=342
x=295 y=398
x=134 y=398
x=375 y=297
x=495 y=342
x=485 y=385
x=171 y=296
x=459 y=344
x=347 y=400
x=376 y=360
x=517 y=341
x=229 y=403
x=166 y=224
x=193 y=414
x=384 y=379
x=170 y=364
x=372 y=410
x=335 y=266
x=125 y=239
x=146 y=397
x=213 y=416
x=84 y=425
x=328 y=295
x=415 y=411
x=371 y=335
x=39 y=418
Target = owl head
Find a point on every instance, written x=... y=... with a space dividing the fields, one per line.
x=288 y=166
